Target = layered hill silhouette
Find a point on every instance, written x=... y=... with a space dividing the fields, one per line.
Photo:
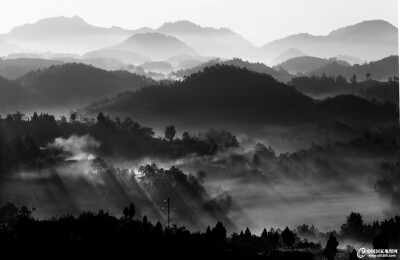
x=280 y=75
x=66 y=34
x=69 y=86
x=13 y=96
x=379 y=70
x=209 y=41
x=369 y=40
x=289 y=54
x=15 y=68
x=155 y=45
x=6 y=47
x=305 y=64
x=124 y=56
x=157 y=66
x=225 y=94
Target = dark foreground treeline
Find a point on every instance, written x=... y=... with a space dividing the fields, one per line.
x=101 y=233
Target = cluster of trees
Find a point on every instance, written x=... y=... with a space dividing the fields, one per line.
x=88 y=232
x=24 y=141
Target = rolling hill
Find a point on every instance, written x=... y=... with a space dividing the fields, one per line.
x=369 y=40
x=66 y=86
x=208 y=41
x=380 y=70
x=228 y=95
x=155 y=45
x=279 y=75
x=124 y=56
x=304 y=64
x=15 y=68
x=289 y=54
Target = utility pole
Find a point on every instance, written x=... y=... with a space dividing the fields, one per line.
x=168 y=211
x=304 y=164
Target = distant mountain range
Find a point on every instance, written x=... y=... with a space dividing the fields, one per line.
x=64 y=34
x=368 y=40
x=208 y=41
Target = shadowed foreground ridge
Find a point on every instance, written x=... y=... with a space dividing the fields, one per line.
x=102 y=233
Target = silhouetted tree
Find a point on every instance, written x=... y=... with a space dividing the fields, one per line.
x=131 y=211
x=288 y=237
x=101 y=120
x=353 y=81
x=353 y=227
x=264 y=234
x=247 y=233
x=219 y=232
x=170 y=132
x=368 y=75
x=8 y=214
x=73 y=116
x=157 y=230
x=208 y=232
x=330 y=249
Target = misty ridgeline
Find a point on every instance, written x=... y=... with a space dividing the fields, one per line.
x=184 y=140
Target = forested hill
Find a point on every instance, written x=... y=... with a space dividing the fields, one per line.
x=228 y=94
x=68 y=85
x=280 y=75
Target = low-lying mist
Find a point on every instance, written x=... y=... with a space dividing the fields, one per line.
x=251 y=185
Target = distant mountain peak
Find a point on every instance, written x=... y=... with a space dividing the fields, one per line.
x=186 y=26
x=370 y=27
x=77 y=18
x=61 y=19
x=151 y=36
x=155 y=45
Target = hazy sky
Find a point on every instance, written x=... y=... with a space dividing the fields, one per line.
x=259 y=21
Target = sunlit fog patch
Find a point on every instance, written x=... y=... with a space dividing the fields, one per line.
x=79 y=147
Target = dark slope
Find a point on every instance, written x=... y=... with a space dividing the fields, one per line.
x=76 y=83
x=68 y=86
x=15 y=68
x=229 y=95
x=13 y=96
x=280 y=75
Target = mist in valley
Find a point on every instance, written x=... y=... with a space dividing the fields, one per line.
x=194 y=132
